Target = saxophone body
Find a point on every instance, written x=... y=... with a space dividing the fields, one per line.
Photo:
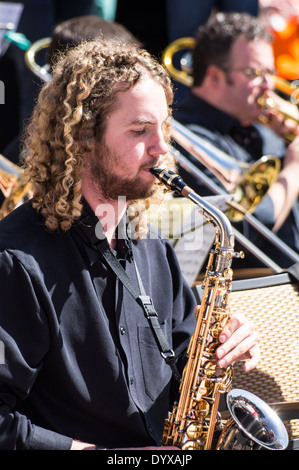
x=194 y=419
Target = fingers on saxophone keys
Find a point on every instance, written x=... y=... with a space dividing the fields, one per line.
x=251 y=356
x=254 y=359
x=242 y=344
x=233 y=325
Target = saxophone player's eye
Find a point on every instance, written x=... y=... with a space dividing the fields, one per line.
x=138 y=131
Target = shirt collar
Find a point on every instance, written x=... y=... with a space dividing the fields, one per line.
x=91 y=231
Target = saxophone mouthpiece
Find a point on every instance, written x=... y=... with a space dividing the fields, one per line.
x=169 y=178
x=156 y=171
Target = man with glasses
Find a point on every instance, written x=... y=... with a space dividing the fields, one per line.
x=233 y=66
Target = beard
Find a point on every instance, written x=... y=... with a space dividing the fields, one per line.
x=111 y=187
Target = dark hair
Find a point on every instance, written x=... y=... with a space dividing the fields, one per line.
x=215 y=39
x=72 y=32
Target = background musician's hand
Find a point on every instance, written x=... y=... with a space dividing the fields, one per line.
x=284 y=191
x=239 y=343
x=285 y=124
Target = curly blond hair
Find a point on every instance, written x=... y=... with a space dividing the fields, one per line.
x=70 y=114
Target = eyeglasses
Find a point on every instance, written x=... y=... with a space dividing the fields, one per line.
x=256 y=75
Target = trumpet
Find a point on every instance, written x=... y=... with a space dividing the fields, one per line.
x=285 y=109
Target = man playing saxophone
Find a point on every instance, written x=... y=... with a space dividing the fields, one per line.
x=82 y=368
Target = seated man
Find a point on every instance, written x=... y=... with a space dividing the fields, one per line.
x=232 y=66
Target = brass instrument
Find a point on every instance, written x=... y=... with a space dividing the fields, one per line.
x=12 y=186
x=248 y=184
x=253 y=183
x=30 y=58
x=183 y=75
x=266 y=102
x=180 y=75
x=194 y=419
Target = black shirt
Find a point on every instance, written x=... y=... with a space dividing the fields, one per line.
x=80 y=359
x=246 y=144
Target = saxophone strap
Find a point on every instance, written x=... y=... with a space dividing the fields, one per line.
x=144 y=301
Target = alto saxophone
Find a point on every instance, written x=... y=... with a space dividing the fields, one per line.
x=192 y=423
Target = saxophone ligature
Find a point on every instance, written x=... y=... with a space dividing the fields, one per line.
x=195 y=420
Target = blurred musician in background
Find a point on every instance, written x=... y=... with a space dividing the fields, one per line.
x=37 y=21
x=232 y=67
x=82 y=369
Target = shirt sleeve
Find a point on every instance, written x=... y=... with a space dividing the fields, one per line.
x=265 y=212
x=25 y=339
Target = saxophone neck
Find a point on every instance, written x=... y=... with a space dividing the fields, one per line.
x=218 y=219
x=225 y=239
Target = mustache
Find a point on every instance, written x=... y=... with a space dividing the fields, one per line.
x=150 y=164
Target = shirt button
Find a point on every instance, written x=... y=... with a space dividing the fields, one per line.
x=131 y=380
x=122 y=330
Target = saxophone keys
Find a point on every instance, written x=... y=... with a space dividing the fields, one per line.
x=210 y=369
x=192 y=445
x=216 y=329
x=227 y=379
x=194 y=431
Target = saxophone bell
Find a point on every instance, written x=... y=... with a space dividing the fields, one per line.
x=253 y=425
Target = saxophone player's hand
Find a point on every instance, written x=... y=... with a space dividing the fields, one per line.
x=77 y=445
x=239 y=343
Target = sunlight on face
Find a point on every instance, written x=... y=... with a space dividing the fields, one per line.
x=133 y=143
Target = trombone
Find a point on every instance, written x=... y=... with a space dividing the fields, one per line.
x=249 y=183
x=253 y=182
